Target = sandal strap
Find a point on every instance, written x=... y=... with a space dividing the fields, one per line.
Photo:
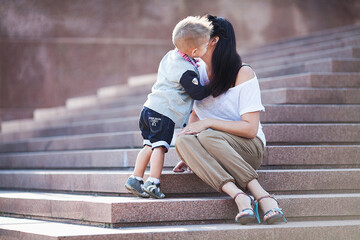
x=268 y=196
x=279 y=210
x=274 y=210
x=247 y=210
x=251 y=199
x=253 y=203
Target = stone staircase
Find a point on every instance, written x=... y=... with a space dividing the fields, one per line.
x=62 y=173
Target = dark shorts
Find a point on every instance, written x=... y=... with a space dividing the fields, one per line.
x=156 y=129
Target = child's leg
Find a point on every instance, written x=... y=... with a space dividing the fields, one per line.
x=157 y=162
x=142 y=161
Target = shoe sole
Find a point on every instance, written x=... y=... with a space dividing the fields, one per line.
x=152 y=195
x=135 y=192
x=274 y=219
x=246 y=219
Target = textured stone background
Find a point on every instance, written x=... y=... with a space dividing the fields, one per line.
x=51 y=50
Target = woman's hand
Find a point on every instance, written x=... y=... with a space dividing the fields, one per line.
x=181 y=166
x=196 y=127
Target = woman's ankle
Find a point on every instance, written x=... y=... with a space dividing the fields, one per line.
x=243 y=201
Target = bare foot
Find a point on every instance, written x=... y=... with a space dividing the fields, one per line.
x=242 y=202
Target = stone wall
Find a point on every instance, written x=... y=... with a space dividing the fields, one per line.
x=51 y=50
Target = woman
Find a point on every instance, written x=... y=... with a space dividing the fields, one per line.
x=223 y=143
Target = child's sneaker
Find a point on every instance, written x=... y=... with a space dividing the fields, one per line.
x=136 y=187
x=153 y=189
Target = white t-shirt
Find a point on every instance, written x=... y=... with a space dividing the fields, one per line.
x=229 y=106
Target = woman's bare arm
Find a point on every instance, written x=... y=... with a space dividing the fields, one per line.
x=247 y=127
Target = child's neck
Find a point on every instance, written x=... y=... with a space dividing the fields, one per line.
x=188 y=53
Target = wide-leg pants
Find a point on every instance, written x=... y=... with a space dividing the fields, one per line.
x=218 y=157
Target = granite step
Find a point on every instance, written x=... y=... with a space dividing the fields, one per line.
x=329 y=65
x=308 y=40
x=313 y=80
x=288 y=181
x=332 y=65
x=273 y=114
x=338 y=43
x=132 y=211
x=275 y=134
x=15 y=228
x=311 y=96
x=344 y=52
x=49 y=119
x=316 y=80
x=77 y=128
x=36 y=229
x=293 y=156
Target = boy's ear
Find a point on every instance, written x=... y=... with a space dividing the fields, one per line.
x=193 y=51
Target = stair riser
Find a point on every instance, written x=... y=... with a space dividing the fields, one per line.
x=332 y=66
x=11 y=228
x=273 y=114
x=286 y=134
x=311 y=96
x=138 y=211
x=305 y=42
x=276 y=114
x=354 y=41
x=347 y=52
x=312 y=81
x=274 y=156
x=109 y=182
x=121 y=125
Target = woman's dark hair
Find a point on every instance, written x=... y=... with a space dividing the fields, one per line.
x=226 y=62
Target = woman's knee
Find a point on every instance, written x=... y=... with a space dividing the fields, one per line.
x=209 y=137
x=183 y=139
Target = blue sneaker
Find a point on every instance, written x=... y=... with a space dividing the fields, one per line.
x=136 y=187
x=153 y=189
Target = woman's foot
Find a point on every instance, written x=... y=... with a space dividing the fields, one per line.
x=271 y=209
x=246 y=213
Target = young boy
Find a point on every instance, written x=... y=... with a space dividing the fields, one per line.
x=170 y=102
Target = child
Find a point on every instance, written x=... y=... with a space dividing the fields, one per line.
x=170 y=102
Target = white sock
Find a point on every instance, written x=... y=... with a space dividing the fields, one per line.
x=154 y=180
x=138 y=178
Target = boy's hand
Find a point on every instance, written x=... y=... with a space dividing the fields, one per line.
x=180 y=167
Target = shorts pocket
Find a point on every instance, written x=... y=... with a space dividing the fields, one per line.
x=155 y=122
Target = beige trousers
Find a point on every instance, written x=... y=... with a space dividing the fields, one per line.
x=218 y=157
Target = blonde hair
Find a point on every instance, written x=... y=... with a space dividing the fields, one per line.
x=190 y=31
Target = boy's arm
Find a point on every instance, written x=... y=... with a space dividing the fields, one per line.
x=189 y=80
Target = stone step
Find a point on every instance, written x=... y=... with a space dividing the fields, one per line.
x=73 y=112
x=125 y=211
x=344 y=52
x=51 y=120
x=275 y=156
x=313 y=80
x=307 y=40
x=273 y=114
x=289 y=181
x=311 y=96
x=77 y=128
x=275 y=134
x=15 y=228
x=324 y=65
x=333 y=65
x=338 y=43
x=321 y=65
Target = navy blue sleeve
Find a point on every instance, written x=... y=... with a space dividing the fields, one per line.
x=189 y=80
